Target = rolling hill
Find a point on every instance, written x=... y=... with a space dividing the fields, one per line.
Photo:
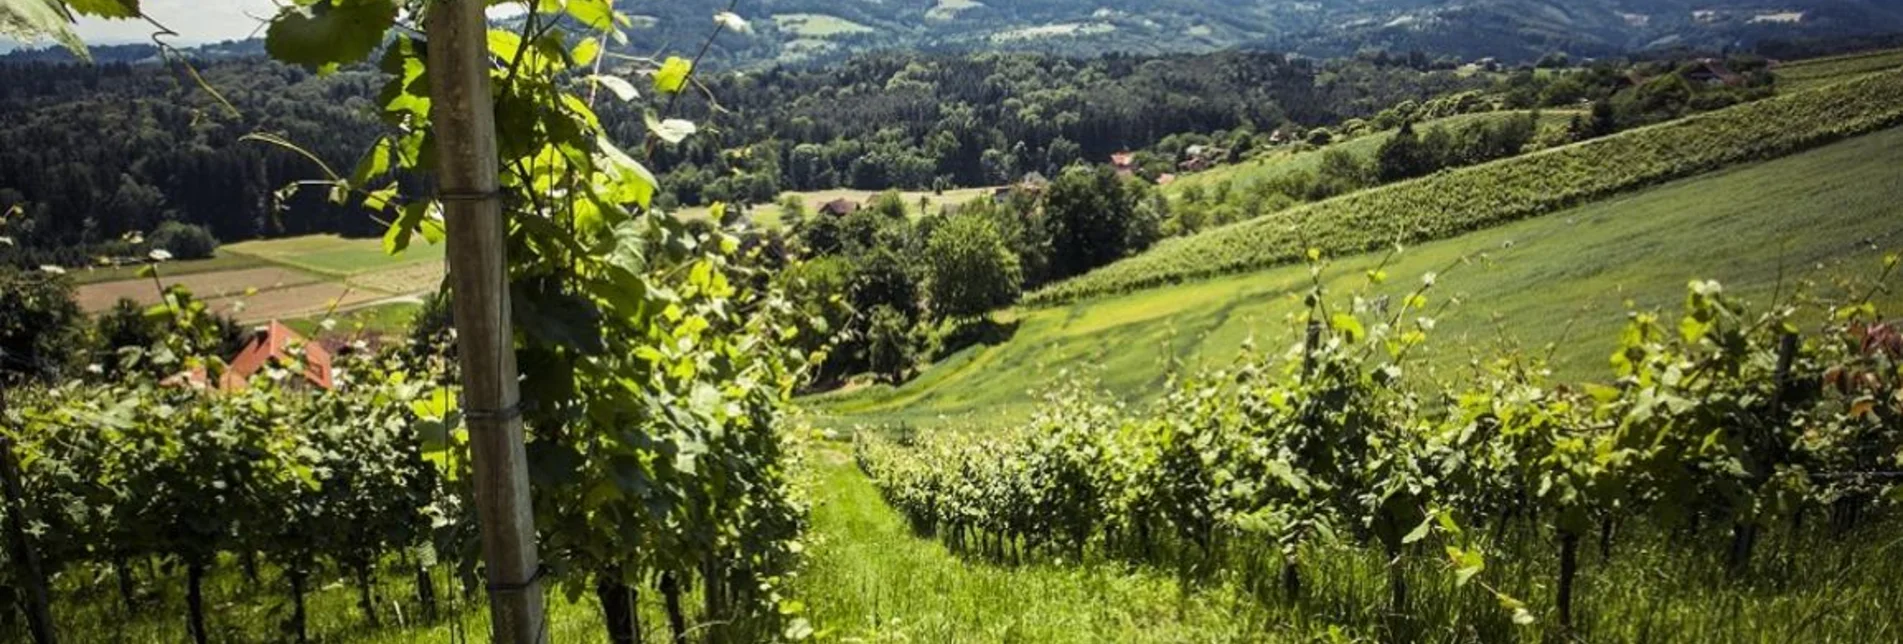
x=1513 y=30
x=1558 y=281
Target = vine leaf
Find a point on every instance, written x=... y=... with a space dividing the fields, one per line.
x=105 y=8
x=670 y=130
x=30 y=20
x=596 y=14
x=329 y=32
x=672 y=77
x=622 y=89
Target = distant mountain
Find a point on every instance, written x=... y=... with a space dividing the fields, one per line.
x=1511 y=30
x=806 y=31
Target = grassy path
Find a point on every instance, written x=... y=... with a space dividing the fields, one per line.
x=870 y=579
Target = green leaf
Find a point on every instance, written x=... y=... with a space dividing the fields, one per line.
x=1348 y=325
x=672 y=77
x=329 y=32
x=670 y=130
x=1420 y=531
x=396 y=238
x=31 y=20
x=622 y=89
x=105 y=8
x=374 y=163
x=596 y=14
x=586 y=51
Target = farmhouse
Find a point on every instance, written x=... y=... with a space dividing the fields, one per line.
x=273 y=344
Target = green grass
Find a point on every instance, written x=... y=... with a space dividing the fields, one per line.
x=1451 y=203
x=1561 y=278
x=768 y=215
x=1817 y=72
x=818 y=25
x=871 y=580
x=373 y=320
x=1290 y=161
x=334 y=255
x=222 y=261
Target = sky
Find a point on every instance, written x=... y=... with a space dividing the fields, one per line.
x=196 y=21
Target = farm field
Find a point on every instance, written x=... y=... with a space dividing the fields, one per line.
x=1562 y=278
x=334 y=255
x=767 y=215
x=286 y=278
x=818 y=25
x=222 y=261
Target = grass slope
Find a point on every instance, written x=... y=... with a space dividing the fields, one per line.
x=334 y=255
x=1817 y=72
x=871 y=580
x=1460 y=201
x=1290 y=161
x=1562 y=278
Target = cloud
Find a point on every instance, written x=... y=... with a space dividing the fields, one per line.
x=196 y=21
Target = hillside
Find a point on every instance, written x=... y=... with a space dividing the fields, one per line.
x=1454 y=202
x=1513 y=30
x=1560 y=278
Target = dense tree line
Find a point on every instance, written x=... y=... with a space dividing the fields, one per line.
x=885 y=286
x=91 y=153
x=923 y=121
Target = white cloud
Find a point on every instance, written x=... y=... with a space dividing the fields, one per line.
x=196 y=21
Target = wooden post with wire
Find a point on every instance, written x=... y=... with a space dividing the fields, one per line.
x=463 y=116
x=39 y=611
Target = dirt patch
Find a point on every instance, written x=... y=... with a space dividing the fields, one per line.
x=403 y=280
x=209 y=286
x=293 y=302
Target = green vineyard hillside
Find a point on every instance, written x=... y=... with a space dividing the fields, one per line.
x=1465 y=200
x=1560 y=278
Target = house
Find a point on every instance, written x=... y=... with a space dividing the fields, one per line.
x=273 y=344
x=278 y=344
x=839 y=207
x=1713 y=72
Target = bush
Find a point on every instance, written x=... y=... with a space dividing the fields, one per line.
x=183 y=240
x=41 y=327
x=973 y=271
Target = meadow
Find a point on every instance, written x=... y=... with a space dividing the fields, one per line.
x=1293 y=160
x=768 y=215
x=1561 y=280
x=1455 y=202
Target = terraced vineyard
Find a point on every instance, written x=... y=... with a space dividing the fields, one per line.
x=1468 y=199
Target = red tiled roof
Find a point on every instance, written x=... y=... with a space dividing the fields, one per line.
x=274 y=343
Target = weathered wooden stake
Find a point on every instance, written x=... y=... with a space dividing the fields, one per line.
x=463 y=114
x=39 y=612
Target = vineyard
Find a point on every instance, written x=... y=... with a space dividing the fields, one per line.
x=1748 y=461
x=1459 y=201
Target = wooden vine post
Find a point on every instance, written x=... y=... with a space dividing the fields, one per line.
x=463 y=115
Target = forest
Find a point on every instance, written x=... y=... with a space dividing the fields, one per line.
x=137 y=144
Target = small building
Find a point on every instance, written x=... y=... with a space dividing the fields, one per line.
x=278 y=344
x=839 y=207
x=1711 y=71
